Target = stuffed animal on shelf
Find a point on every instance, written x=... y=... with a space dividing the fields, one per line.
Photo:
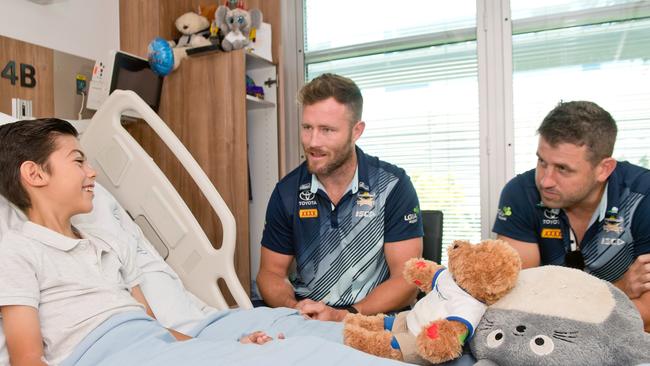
x=561 y=316
x=195 y=30
x=436 y=328
x=237 y=25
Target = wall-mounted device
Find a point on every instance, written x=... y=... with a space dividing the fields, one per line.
x=126 y=72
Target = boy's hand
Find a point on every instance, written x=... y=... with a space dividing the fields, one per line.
x=258 y=337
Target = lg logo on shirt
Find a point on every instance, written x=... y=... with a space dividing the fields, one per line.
x=612 y=241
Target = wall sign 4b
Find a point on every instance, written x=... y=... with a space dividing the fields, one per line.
x=27 y=74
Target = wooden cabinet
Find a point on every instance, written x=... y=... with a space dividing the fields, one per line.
x=204 y=102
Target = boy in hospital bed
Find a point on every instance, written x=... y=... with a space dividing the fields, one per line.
x=68 y=296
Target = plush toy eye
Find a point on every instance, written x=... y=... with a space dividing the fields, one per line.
x=231 y=20
x=495 y=338
x=541 y=345
x=240 y=20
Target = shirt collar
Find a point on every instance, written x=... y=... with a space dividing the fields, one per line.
x=600 y=212
x=49 y=237
x=354 y=184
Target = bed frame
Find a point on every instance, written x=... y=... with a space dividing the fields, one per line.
x=131 y=175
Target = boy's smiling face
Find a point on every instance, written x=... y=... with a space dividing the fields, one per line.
x=71 y=179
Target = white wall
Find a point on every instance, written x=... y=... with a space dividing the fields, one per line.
x=86 y=28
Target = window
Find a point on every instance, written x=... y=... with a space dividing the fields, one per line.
x=598 y=53
x=420 y=98
x=419 y=76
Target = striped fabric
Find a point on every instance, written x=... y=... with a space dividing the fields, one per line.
x=339 y=250
x=619 y=232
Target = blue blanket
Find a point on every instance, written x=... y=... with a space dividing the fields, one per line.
x=136 y=339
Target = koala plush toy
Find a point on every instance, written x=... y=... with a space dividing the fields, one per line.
x=236 y=26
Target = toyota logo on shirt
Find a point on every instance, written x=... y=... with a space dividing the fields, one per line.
x=306 y=195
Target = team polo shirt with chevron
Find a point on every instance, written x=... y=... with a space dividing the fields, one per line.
x=339 y=250
x=619 y=230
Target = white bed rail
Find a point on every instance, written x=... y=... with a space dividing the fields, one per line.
x=140 y=186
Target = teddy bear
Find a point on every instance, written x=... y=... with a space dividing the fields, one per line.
x=237 y=26
x=165 y=56
x=439 y=324
x=194 y=29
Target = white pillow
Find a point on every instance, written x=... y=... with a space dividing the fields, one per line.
x=173 y=305
x=10 y=217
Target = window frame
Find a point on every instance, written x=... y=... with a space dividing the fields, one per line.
x=493 y=33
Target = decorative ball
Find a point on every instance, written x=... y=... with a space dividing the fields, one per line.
x=161 y=56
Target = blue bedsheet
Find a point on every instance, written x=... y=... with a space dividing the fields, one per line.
x=136 y=339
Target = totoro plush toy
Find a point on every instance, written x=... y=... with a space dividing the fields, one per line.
x=561 y=316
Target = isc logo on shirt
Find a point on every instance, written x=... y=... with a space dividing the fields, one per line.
x=552 y=233
x=309 y=213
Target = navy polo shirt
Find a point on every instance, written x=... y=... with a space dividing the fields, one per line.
x=618 y=233
x=339 y=250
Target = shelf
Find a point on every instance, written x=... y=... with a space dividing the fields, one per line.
x=254 y=61
x=257 y=103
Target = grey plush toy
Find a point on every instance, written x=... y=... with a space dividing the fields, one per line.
x=561 y=316
x=236 y=26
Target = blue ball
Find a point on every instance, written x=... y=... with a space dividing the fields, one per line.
x=161 y=56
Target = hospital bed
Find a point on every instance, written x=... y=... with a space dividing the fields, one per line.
x=189 y=283
x=127 y=171
x=183 y=288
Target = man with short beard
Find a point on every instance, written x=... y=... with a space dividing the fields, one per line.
x=349 y=220
x=580 y=207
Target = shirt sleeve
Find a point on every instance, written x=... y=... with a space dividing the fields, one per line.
x=515 y=217
x=131 y=273
x=18 y=278
x=278 y=233
x=402 y=213
x=641 y=228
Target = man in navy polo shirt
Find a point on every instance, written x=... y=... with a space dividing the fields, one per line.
x=350 y=220
x=580 y=207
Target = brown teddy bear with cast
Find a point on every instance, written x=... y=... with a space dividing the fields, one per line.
x=440 y=323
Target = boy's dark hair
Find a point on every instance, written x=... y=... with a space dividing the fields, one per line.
x=581 y=123
x=342 y=89
x=28 y=140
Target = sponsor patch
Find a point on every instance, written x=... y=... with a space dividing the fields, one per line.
x=370 y=214
x=504 y=212
x=552 y=233
x=306 y=195
x=612 y=241
x=551 y=213
x=308 y=213
x=412 y=218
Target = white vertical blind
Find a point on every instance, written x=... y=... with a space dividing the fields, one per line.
x=421 y=113
x=607 y=63
x=417 y=68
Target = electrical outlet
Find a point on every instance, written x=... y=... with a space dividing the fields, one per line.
x=21 y=108
x=81 y=84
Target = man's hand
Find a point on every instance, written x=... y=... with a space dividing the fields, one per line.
x=636 y=280
x=258 y=337
x=320 y=311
